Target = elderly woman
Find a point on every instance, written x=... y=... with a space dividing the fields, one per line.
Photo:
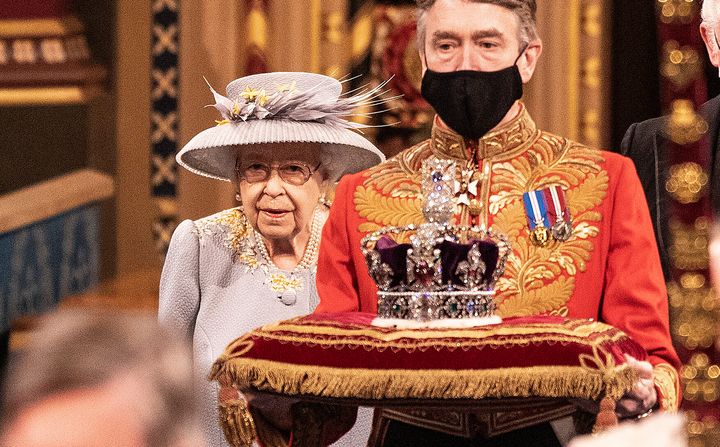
x=283 y=142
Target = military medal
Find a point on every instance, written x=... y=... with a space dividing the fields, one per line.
x=562 y=224
x=540 y=236
x=538 y=221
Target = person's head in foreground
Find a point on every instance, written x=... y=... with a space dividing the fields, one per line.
x=283 y=142
x=476 y=55
x=662 y=430
x=94 y=379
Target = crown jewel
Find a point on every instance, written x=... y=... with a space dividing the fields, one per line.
x=446 y=271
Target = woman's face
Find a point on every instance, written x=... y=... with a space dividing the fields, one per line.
x=275 y=208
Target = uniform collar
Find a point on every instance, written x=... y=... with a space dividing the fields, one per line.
x=503 y=141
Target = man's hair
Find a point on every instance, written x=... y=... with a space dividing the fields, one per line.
x=525 y=10
x=72 y=351
x=709 y=11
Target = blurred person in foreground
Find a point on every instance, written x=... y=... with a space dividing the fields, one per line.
x=283 y=141
x=593 y=257
x=662 y=430
x=96 y=379
x=645 y=144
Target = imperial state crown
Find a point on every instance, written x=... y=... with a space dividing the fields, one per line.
x=445 y=276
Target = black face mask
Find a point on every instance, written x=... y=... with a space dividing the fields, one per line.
x=472 y=102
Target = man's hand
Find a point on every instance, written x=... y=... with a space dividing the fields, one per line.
x=643 y=397
x=640 y=400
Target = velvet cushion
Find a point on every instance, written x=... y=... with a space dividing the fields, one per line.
x=342 y=356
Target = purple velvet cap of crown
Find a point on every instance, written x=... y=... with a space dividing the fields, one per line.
x=451 y=254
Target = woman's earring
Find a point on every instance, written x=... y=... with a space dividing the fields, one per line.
x=238 y=198
x=324 y=201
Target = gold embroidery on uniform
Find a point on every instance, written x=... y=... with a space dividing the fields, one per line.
x=666 y=378
x=537 y=279
x=395 y=211
x=400 y=175
x=541 y=279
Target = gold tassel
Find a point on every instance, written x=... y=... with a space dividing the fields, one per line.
x=237 y=423
x=606 y=417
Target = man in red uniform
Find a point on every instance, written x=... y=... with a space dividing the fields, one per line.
x=476 y=55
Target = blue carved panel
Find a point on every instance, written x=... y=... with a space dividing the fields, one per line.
x=48 y=260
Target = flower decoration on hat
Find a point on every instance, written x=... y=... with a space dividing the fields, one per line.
x=287 y=102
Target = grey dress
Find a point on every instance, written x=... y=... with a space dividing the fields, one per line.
x=216 y=285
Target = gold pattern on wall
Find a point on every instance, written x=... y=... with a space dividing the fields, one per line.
x=362 y=32
x=257 y=28
x=332 y=45
x=594 y=89
x=570 y=90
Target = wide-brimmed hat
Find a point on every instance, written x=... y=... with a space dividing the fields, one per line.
x=284 y=107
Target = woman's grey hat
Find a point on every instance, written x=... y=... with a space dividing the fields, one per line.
x=284 y=107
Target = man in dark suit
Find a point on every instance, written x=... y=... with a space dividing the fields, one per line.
x=645 y=144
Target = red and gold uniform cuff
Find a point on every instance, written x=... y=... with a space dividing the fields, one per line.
x=667 y=383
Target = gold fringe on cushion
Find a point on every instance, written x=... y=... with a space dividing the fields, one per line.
x=542 y=381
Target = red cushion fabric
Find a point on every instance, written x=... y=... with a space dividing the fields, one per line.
x=342 y=356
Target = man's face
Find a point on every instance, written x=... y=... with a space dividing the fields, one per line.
x=463 y=35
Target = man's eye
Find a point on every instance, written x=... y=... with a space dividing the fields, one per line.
x=445 y=46
x=256 y=167
x=488 y=45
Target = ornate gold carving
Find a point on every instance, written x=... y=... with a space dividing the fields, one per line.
x=315 y=7
x=592 y=15
x=591 y=72
x=687 y=182
x=257 y=28
x=590 y=129
x=362 y=32
x=537 y=279
x=334 y=27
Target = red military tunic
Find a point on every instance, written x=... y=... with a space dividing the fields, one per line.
x=608 y=270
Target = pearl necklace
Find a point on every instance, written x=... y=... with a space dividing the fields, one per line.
x=284 y=283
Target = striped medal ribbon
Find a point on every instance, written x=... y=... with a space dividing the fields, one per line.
x=538 y=222
x=558 y=214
